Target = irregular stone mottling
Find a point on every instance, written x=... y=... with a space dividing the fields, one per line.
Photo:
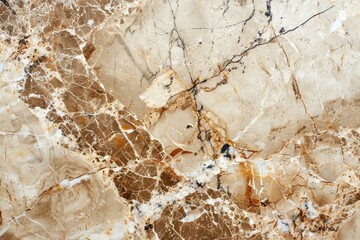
x=179 y=119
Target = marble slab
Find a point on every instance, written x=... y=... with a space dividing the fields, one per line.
x=179 y=119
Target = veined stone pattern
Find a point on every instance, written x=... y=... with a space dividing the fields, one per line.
x=187 y=119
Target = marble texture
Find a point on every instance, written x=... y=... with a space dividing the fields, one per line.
x=187 y=119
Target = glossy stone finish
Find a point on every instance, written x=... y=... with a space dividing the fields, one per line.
x=192 y=119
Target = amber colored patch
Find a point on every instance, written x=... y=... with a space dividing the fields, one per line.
x=119 y=140
x=126 y=127
x=179 y=150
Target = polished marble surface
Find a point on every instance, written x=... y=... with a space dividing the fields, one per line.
x=187 y=119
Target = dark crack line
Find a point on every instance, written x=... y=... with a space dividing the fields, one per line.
x=194 y=89
x=198 y=107
x=129 y=54
x=295 y=86
x=175 y=29
x=226 y=7
x=6 y=3
x=226 y=26
x=250 y=17
x=268 y=12
x=237 y=58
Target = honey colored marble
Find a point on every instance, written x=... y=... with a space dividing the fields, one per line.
x=187 y=119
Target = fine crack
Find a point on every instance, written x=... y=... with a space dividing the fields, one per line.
x=237 y=58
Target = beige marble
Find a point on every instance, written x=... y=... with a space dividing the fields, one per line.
x=187 y=119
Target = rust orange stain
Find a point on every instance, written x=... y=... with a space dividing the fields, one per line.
x=250 y=175
x=126 y=127
x=179 y=150
x=119 y=140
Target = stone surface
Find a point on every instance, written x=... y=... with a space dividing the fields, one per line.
x=221 y=119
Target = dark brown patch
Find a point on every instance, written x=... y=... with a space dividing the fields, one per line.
x=88 y=50
x=138 y=183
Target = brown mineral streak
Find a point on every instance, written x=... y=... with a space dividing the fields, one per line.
x=177 y=151
x=251 y=176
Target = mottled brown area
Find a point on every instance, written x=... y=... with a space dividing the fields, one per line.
x=65 y=43
x=63 y=16
x=6 y=17
x=121 y=138
x=139 y=182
